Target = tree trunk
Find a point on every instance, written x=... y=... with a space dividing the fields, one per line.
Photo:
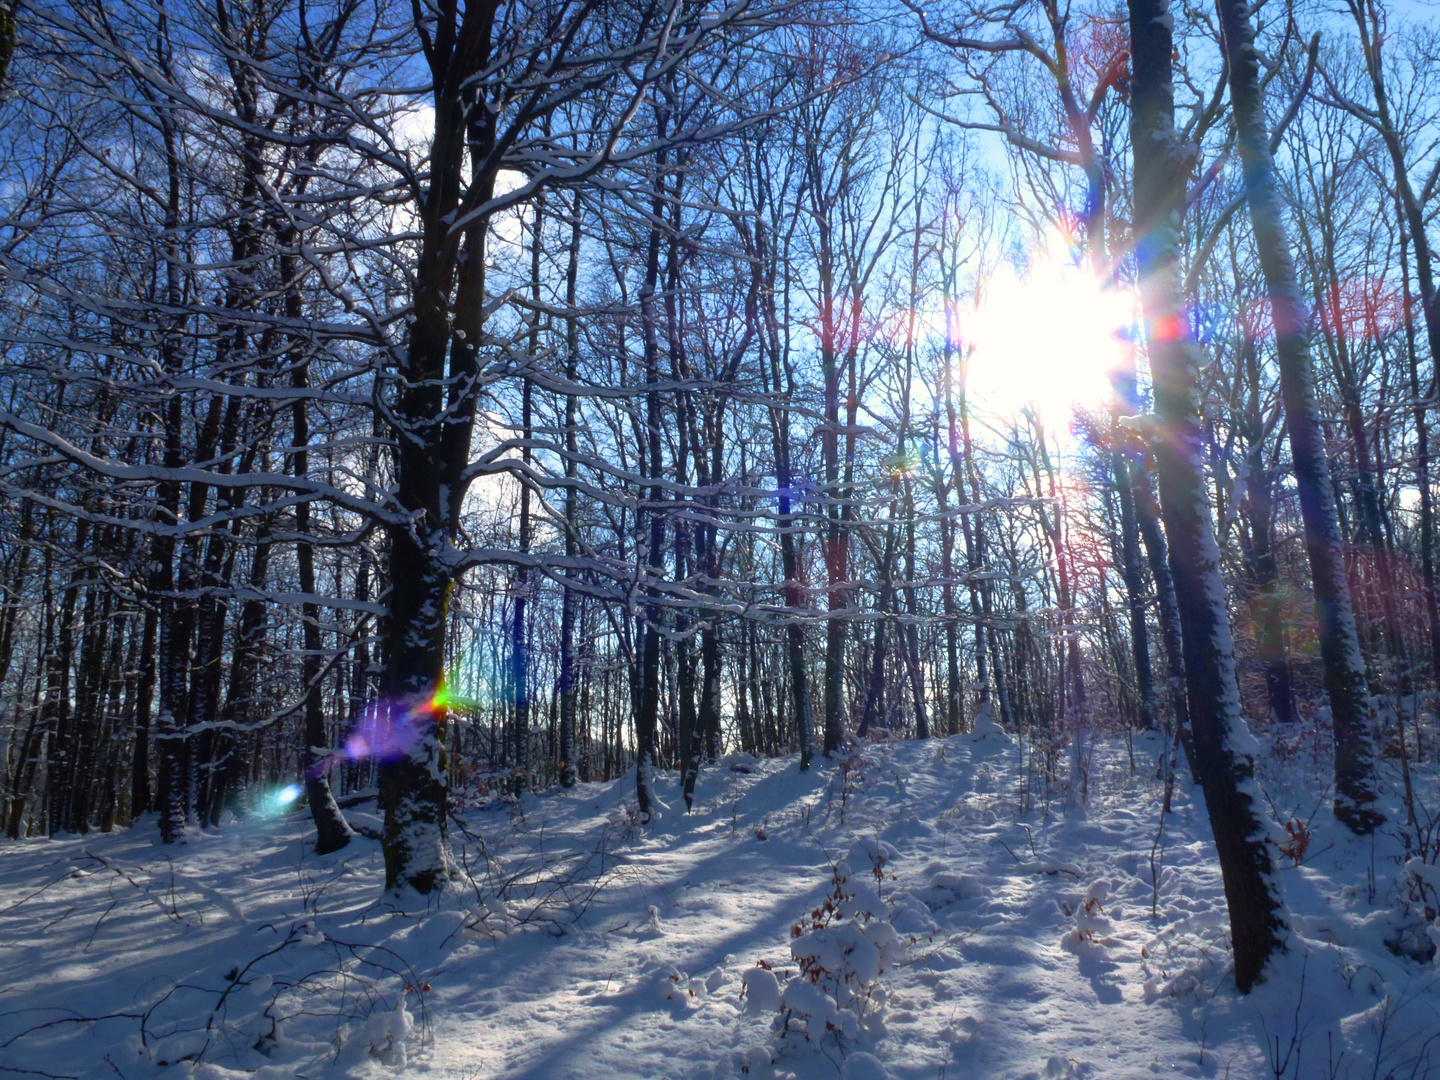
x=1350 y=706
x=332 y=831
x=1130 y=573
x=1258 y=923
x=776 y=345
x=1419 y=400
x=649 y=705
x=568 y=773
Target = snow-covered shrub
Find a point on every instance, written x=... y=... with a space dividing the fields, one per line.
x=1416 y=918
x=624 y=819
x=841 y=949
x=1091 y=925
x=671 y=984
x=380 y=1036
x=489 y=918
x=1423 y=894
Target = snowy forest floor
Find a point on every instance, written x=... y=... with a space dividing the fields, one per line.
x=588 y=947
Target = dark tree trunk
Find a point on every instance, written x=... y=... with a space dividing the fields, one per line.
x=230 y=774
x=912 y=627
x=332 y=831
x=780 y=383
x=174 y=648
x=519 y=641
x=568 y=774
x=172 y=798
x=144 y=696
x=1419 y=397
x=1345 y=686
x=1257 y=917
x=654 y=517
x=58 y=714
x=875 y=682
x=22 y=779
x=1130 y=573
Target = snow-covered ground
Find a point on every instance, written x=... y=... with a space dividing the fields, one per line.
x=964 y=934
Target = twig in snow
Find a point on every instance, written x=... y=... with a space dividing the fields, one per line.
x=171 y=912
x=63 y=877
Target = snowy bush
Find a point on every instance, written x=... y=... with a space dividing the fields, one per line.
x=670 y=984
x=1424 y=893
x=1091 y=925
x=841 y=948
x=381 y=1036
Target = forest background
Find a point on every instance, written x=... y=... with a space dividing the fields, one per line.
x=441 y=401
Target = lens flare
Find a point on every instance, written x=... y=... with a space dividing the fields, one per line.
x=388 y=728
x=275 y=802
x=1047 y=338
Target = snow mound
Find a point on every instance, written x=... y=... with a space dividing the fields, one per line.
x=863 y=1066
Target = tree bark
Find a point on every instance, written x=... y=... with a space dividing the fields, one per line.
x=1350 y=705
x=649 y=705
x=1223 y=744
x=568 y=772
x=332 y=831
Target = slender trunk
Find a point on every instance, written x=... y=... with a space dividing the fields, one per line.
x=1157 y=556
x=911 y=629
x=688 y=539
x=649 y=704
x=1419 y=400
x=961 y=453
x=22 y=779
x=1130 y=573
x=228 y=785
x=519 y=643
x=954 y=689
x=59 y=716
x=173 y=648
x=708 y=542
x=144 y=697
x=173 y=616
x=912 y=626
x=1350 y=706
x=1078 y=712
x=1258 y=923
x=1258 y=507
x=837 y=561
x=332 y=831
x=875 y=685
x=775 y=342
x=568 y=774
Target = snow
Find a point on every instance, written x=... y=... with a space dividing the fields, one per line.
x=908 y=918
x=863 y=1066
x=762 y=989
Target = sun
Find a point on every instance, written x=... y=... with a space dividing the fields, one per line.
x=1046 y=338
